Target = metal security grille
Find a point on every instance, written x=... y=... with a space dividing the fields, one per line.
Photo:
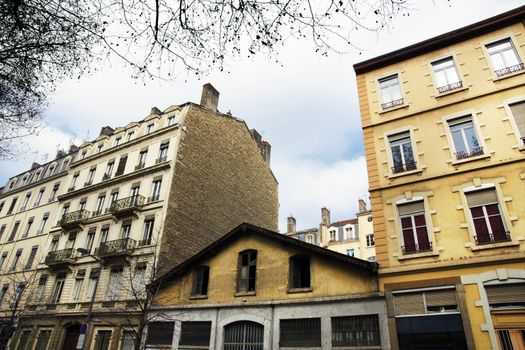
x=243 y=335
x=302 y=332
x=195 y=334
x=355 y=331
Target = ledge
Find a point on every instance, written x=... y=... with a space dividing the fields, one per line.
x=451 y=92
x=474 y=247
x=417 y=255
x=198 y=297
x=510 y=75
x=409 y=172
x=384 y=111
x=244 y=294
x=300 y=290
x=471 y=159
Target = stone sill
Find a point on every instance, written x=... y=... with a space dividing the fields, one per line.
x=470 y=159
x=409 y=172
x=300 y=290
x=384 y=111
x=451 y=92
x=494 y=245
x=417 y=255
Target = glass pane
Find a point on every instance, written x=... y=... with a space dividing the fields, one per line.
x=472 y=139
x=458 y=142
x=441 y=79
x=452 y=75
x=509 y=57
x=396 y=156
x=407 y=152
x=497 y=62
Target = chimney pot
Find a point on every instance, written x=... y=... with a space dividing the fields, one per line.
x=325 y=216
x=291 y=225
x=210 y=97
x=362 y=206
x=155 y=111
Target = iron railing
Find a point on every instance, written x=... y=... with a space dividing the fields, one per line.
x=392 y=104
x=493 y=238
x=416 y=248
x=401 y=168
x=121 y=246
x=464 y=155
x=509 y=70
x=74 y=217
x=161 y=159
x=450 y=87
x=128 y=203
x=59 y=256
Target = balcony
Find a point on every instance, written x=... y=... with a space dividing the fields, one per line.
x=74 y=219
x=60 y=258
x=509 y=70
x=127 y=206
x=392 y=104
x=117 y=248
x=498 y=237
x=417 y=248
x=401 y=168
x=450 y=87
x=464 y=155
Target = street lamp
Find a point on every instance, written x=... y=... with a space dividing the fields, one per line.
x=85 y=326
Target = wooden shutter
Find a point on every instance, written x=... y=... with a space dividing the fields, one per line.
x=442 y=297
x=409 y=304
x=512 y=293
x=481 y=197
x=518 y=112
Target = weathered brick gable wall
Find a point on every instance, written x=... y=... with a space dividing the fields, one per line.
x=220 y=180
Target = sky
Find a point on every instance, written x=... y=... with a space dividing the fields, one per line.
x=306 y=107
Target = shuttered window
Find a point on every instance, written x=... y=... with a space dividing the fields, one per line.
x=409 y=304
x=441 y=300
x=425 y=302
x=160 y=333
x=414 y=227
x=486 y=216
x=518 y=112
x=506 y=295
x=195 y=334
x=303 y=332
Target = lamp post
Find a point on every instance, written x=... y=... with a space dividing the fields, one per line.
x=89 y=318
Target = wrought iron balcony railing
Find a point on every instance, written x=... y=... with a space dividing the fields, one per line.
x=450 y=87
x=118 y=247
x=464 y=155
x=393 y=104
x=74 y=218
x=57 y=257
x=401 y=168
x=417 y=248
x=509 y=70
x=161 y=159
x=128 y=204
x=497 y=237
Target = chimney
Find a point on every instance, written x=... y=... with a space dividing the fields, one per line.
x=291 y=225
x=106 y=130
x=72 y=149
x=325 y=216
x=210 y=97
x=34 y=165
x=266 y=151
x=60 y=154
x=155 y=111
x=362 y=206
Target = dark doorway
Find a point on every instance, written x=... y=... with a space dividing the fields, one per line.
x=71 y=338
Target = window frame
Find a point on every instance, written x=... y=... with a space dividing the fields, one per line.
x=200 y=282
x=393 y=104
x=388 y=146
x=451 y=86
x=247 y=290
x=488 y=56
x=485 y=153
x=295 y=272
x=520 y=139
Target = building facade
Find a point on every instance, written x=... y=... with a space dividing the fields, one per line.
x=133 y=201
x=257 y=289
x=443 y=122
x=353 y=237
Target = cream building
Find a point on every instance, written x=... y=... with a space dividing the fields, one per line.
x=444 y=125
x=135 y=200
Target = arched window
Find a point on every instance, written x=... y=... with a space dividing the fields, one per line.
x=243 y=335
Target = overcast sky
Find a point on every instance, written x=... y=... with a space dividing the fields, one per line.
x=306 y=107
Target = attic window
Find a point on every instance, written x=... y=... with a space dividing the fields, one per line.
x=201 y=278
x=247 y=267
x=299 y=272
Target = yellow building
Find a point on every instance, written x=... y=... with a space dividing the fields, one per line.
x=257 y=289
x=444 y=130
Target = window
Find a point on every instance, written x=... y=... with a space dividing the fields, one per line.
x=465 y=138
x=39 y=197
x=299 y=272
x=13 y=232
x=171 y=120
x=114 y=283
x=43 y=339
x=90 y=239
x=302 y=333
x=54 y=192
x=128 y=340
x=510 y=339
x=439 y=300
x=149 y=224
x=65 y=164
x=506 y=295
x=31 y=259
x=160 y=333
x=163 y=152
x=244 y=335
x=73 y=182
x=99 y=147
x=310 y=239
x=446 y=75
x=91 y=176
x=104 y=231
x=135 y=190
x=2 y=205
x=77 y=288
x=195 y=334
x=155 y=190
x=40 y=290
x=12 y=206
x=350 y=252
x=486 y=217
x=24 y=340
x=504 y=58
x=414 y=227
x=100 y=204
x=102 y=340
x=142 y=159
x=370 y=241
x=401 y=151
x=518 y=112
x=390 y=92
x=16 y=259
x=28 y=226
x=43 y=224
x=25 y=201
x=121 y=165
x=2 y=229
x=58 y=288
x=333 y=235
x=83 y=155
x=117 y=141
x=350 y=233
x=71 y=238
x=247 y=266
x=149 y=128
x=201 y=276
x=139 y=281
x=3 y=259
x=130 y=135
x=82 y=204
x=93 y=277
x=355 y=331
x=54 y=244
x=113 y=198
x=109 y=170
x=125 y=229
x=3 y=292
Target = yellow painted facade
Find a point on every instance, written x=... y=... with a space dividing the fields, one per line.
x=441 y=178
